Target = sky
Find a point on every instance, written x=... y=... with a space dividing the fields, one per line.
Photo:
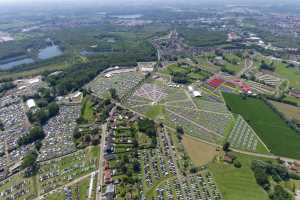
x=120 y=2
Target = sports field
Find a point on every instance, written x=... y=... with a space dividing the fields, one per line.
x=275 y=133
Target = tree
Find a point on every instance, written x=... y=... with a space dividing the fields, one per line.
x=53 y=109
x=281 y=194
x=226 y=146
x=1 y=126
x=113 y=93
x=29 y=159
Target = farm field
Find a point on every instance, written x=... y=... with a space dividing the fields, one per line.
x=274 y=132
x=237 y=183
x=200 y=152
x=289 y=111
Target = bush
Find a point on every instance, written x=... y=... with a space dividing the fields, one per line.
x=237 y=164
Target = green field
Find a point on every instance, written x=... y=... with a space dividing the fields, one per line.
x=275 y=133
x=291 y=74
x=87 y=110
x=237 y=184
x=155 y=111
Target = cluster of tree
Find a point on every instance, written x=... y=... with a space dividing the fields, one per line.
x=77 y=75
x=36 y=133
x=29 y=163
x=209 y=38
x=113 y=93
x=148 y=127
x=267 y=66
x=179 y=132
x=86 y=136
x=180 y=77
x=263 y=170
x=226 y=70
x=6 y=86
x=42 y=115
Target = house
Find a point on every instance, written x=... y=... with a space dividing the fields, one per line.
x=107 y=176
x=110 y=192
x=228 y=159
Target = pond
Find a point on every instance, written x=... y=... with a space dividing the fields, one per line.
x=49 y=52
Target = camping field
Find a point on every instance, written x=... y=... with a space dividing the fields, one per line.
x=275 y=133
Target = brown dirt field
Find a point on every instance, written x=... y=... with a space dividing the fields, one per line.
x=200 y=152
x=287 y=110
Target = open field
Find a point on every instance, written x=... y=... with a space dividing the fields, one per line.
x=200 y=152
x=289 y=111
x=237 y=183
x=291 y=74
x=274 y=132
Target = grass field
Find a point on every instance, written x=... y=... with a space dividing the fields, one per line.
x=87 y=110
x=289 y=111
x=291 y=74
x=292 y=99
x=201 y=153
x=155 y=111
x=237 y=184
x=275 y=133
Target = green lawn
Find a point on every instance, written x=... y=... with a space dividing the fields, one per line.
x=275 y=133
x=237 y=184
x=292 y=74
x=155 y=111
x=87 y=110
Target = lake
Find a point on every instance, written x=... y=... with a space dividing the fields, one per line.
x=135 y=16
x=15 y=63
x=50 y=52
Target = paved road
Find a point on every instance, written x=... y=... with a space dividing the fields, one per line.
x=101 y=159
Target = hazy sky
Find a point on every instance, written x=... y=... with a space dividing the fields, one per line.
x=120 y=2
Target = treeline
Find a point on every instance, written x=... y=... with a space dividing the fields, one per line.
x=293 y=124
